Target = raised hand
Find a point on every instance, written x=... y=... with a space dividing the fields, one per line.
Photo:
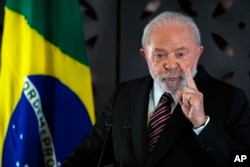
x=191 y=101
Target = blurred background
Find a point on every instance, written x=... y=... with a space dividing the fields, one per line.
x=113 y=30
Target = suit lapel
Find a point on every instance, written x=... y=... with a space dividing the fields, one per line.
x=175 y=127
x=139 y=109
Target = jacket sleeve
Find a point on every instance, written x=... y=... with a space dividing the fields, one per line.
x=218 y=140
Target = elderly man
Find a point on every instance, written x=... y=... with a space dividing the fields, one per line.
x=178 y=116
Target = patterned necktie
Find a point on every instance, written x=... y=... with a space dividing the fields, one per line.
x=158 y=121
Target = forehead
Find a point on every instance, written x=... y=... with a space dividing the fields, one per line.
x=171 y=37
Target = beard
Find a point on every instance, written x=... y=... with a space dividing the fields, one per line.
x=169 y=85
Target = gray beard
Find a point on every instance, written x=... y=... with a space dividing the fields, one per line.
x=183 y=82
x=164 y=87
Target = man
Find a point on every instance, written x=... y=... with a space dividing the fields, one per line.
x=206 y=120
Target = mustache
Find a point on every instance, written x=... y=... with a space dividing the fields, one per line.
x=172 y=74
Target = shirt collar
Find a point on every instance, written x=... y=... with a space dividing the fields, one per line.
x=157 y=92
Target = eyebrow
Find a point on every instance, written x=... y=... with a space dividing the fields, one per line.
x=159 y=49
x=178 y=49
x=182 y=49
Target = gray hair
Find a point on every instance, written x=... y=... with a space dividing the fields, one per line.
x=171 y=18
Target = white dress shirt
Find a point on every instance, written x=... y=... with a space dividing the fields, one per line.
x=154 y=98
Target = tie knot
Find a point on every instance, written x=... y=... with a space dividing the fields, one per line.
x=166 y=98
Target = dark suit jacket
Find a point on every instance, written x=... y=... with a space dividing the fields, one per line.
x=125 y=142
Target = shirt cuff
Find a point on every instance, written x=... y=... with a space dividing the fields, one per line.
x=198 y=130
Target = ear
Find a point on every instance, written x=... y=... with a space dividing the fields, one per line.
x=142 y=52
x=200 y=51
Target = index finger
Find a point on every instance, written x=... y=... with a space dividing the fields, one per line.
x=190 y=80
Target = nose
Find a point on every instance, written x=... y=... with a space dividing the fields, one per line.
x=170 y=63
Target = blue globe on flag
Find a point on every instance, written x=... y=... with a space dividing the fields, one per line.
x=49 y=121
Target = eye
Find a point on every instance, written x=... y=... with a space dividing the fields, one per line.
x=159 y=56
x=180 y=54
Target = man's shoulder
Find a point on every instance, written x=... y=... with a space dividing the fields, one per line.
x=203 y=78
x=218 y=87
x=139 y=80
x=137 y=83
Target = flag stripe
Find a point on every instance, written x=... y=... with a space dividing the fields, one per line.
x=60 y=22
x=35 y=62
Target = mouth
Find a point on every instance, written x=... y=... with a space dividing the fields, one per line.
x=172 y=79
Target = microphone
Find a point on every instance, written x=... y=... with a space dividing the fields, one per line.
x=108 y=125
x=126 y=128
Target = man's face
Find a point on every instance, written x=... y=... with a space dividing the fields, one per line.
x=171 y=51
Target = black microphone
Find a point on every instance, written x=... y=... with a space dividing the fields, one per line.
x=126 y=128
x=108 y=125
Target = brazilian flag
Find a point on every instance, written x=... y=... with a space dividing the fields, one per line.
x=46 y=102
